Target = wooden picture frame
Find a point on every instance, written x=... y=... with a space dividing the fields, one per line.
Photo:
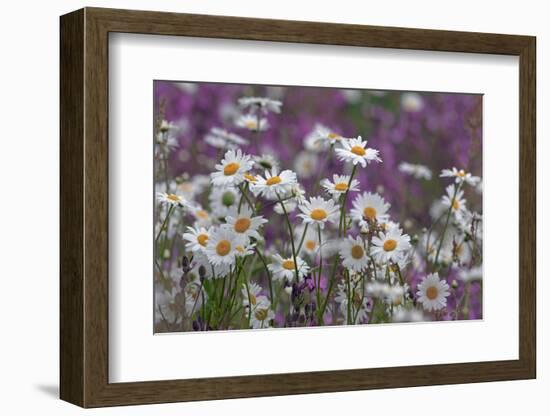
x=84 y=207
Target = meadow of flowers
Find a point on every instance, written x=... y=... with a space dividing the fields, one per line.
x=298 y=207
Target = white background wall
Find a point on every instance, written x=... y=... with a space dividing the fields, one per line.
x=29 y=155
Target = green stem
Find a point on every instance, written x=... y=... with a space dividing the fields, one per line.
x=343 y=207
x=291 y=235
x=446 y=224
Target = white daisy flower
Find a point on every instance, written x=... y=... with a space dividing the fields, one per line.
x=353 y=253
x=264 y=104
x=171 y=199
x=432 y=292
x=222 y=244
x=298 y=193
x=232 y=168
x=223 y=139
x=339 y=186
x=285 y=268
x=222 y=200
x=369 y=207
x=290 y=206
x=305 y=164
x=415 y=170
x=244 y=223
x=355 y=151
x=360 y=304
x=327 y=136
x=266 y=162
x=252 y=122
x=202 y=217
x=274 y=183
x=196 y=238
x=318 y=211
x=261 y=314
x=412 y=102
x=212 y=271
x=390 y=246
x=460 y=176
x=310 y=245
x=312 y=143
x=457 y=204
x=250 y=295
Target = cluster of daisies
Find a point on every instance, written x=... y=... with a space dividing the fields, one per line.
x=342 y=260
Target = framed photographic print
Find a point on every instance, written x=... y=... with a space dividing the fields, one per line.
x=260 y=207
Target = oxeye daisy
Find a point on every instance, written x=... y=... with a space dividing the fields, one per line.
x=285 y=268
x=167 y=142
x=289 y=204
x=222 y=244
x=312 y=143
x=274 y=183
x=339 y=185
x=261 y=314
x=222 y=138
x=327 y=135
x=360 y=305
x=212 y=271
x=305 y=164
x=318 y=211
x=264 y=104
x=250 y=294
x=432 y=292
x=266 y=162
x=232 y=168
x=310 y=243
x=368 y=208
x=454 y=200
x=460 y=176
x=415 y=170
x=355 y=151
x=222 y=200
x=202 y=217
x=354 y=254
x=244 y=223
x=252 y=122
x=196 y=238
x=390 y=246
x=171 y=199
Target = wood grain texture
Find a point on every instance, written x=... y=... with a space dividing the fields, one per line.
x=84 y=207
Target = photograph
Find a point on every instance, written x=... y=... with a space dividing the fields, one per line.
x=292 y=206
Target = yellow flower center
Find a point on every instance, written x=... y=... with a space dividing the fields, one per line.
x=289 y=264
x=318 y=214
x=242 y=224
x=240 y=249
x=173 y=197
x=251 y=124
x=261 y=314
x=357 y=252
x=202 y=214
x=249 y=177
x=252 y=299
x=358 y=150
x=202 y=239
x=390 y=245
x=456 y=204
x=431 y=292
x=310 y=245
x=341 y=186
x=334 y=136
x=369 y=213
x=274 y=180
x=223 y=248
x=231 y=168
x=461 y=173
